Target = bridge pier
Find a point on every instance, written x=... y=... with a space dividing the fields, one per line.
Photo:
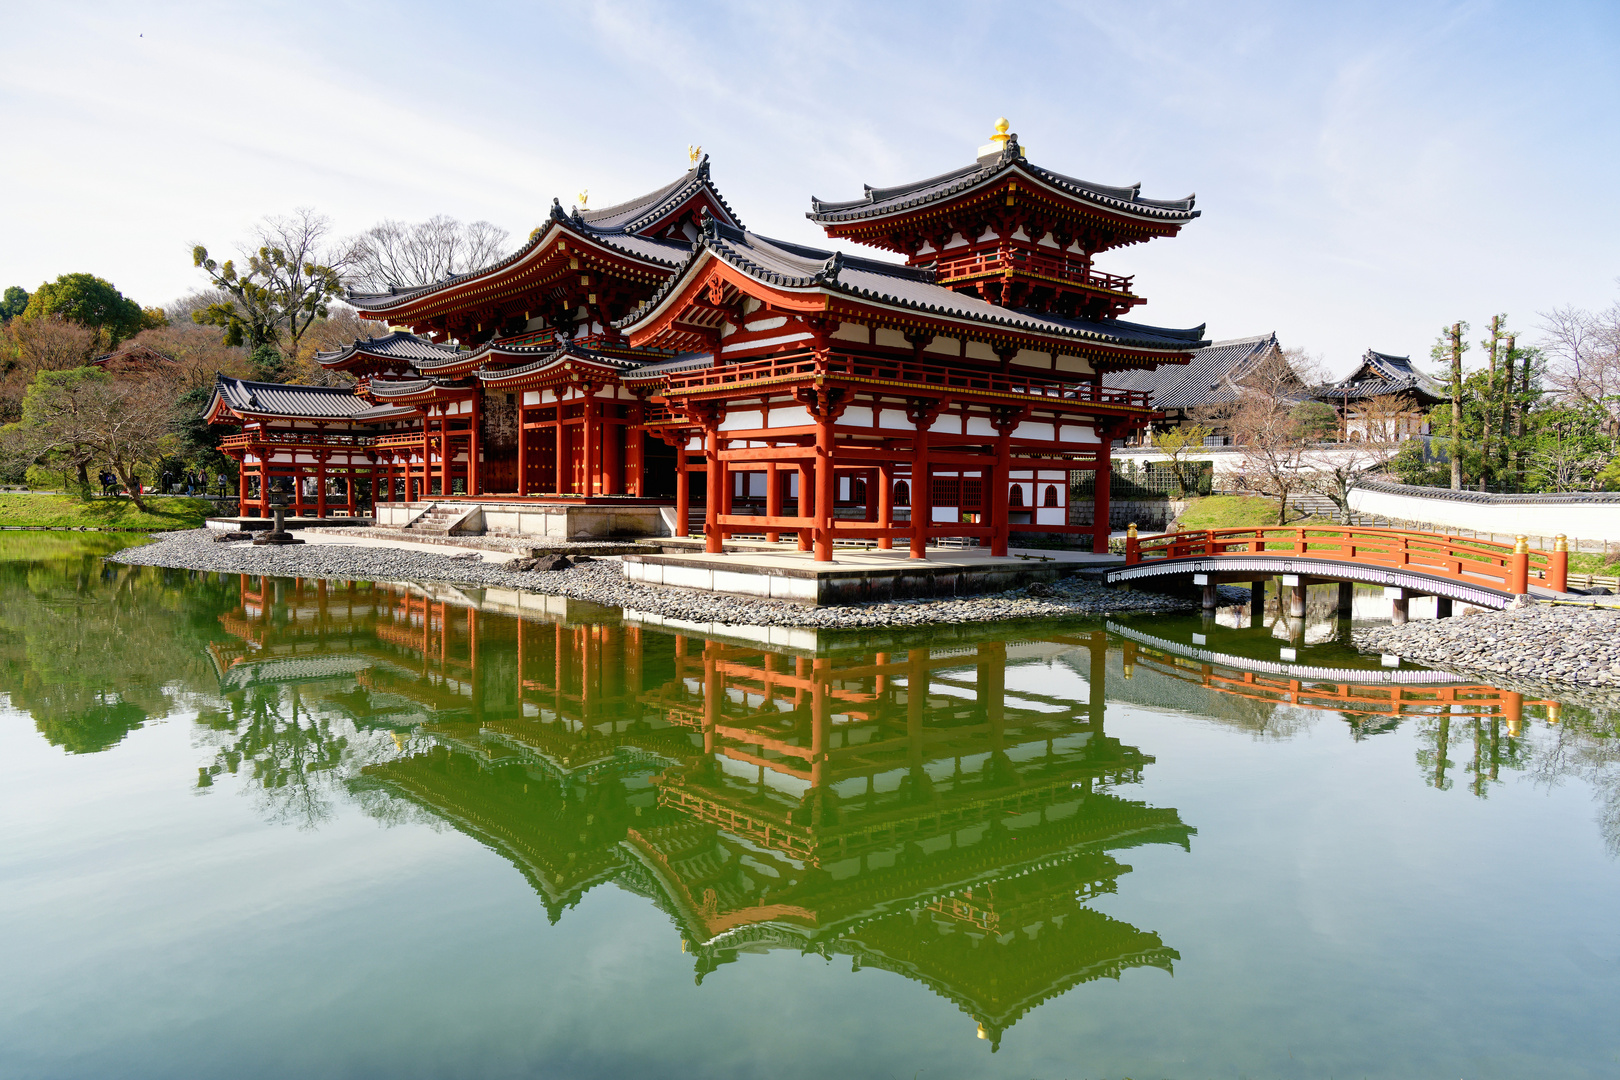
x=1347 y=598
x=1442 y=607
x=1257 y=603
x=1295 y=585
x=1399 y=602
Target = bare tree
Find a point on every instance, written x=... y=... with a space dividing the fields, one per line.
x=283 y=286
x=1381 y=422
x=1583 y=353
x=1265 y=421
x=394 y=253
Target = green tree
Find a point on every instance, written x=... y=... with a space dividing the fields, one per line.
x=1175 y=443
x=13 y=303
x=281 y=289
x=89 y=301
x=1448 y=350
x=266 y=365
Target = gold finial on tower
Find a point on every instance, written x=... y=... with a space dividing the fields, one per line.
x=694 y=154
x=1002 y=128
x=999 y=140
x=584 y=197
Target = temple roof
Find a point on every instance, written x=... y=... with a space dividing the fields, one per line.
x=793 y=266
x=1380 y=374
x=1210 y=378
x=622 y=227
x=400 y=345
x=280 y=399
x=885 y=201
x=552 y=357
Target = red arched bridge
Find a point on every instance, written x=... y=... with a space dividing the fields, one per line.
x=1405 y=562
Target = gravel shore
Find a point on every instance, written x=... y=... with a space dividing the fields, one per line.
x=1548 y=643
x=602 y=581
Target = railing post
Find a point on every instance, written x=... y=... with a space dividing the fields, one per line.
x=1519 y=566
x=1133 y=546
x=1558 y=565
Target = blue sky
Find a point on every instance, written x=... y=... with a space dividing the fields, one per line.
x=1366 y=172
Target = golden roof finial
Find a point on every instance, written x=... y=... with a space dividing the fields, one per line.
x=584 y=196
x=1002 y=128
x=694 y=154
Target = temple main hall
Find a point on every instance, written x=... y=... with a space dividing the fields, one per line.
x=659 y=366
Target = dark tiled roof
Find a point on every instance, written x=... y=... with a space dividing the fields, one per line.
x=550 y=356
x=613 y=226
x=401 y=387
x=382 y=412
x=636 y=214
x=399 y=345
x=776 y=262
x=1381 y=373
x=683 y=362
x=284 y=399
x=879 y=202
x=1210 y=378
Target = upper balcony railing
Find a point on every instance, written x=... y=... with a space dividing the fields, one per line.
x=293 y=438
x=1063 y=267
x=924 y=376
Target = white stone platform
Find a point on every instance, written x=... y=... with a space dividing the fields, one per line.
x=782 y=572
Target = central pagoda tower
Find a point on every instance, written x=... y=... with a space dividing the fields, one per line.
x=1010 y=232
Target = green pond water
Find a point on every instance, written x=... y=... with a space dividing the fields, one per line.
x=267 y=828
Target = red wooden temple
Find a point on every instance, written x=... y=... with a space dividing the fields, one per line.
x=658 y=352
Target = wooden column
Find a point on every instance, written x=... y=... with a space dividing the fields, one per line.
x=773 y=499
x=472 y=447
x=444 y=454
x=635 y=466
x=922 y=489
x=683 y=489
x=1104 y=476
x=612 y=459
x=714 y=484
x=885 y=504
x=999 y=525
x=320 y=483
x=523 y=447
x=824 y=485
x=807 y=503
x=590 y=453
x=562 y=483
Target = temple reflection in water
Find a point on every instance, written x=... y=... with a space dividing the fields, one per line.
x=909 y=809
x=942 y=810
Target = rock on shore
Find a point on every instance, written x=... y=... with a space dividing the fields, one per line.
x=602 y=581
x=1546 y=643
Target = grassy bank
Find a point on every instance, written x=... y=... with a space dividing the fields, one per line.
x=1229 y=512
x=69 y=511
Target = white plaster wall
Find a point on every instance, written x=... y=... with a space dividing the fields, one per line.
x=1590 y=521
x=856 y=416
x=792 y=416
x=743 y=420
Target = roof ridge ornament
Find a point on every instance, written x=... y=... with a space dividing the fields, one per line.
x=828 y=274
x=694 y=155
x=557 y=213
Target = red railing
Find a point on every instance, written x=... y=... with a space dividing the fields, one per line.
x=1510 y=568
x=396 y=442
x=1003 y=260
x=910 y=372
x=296 y=438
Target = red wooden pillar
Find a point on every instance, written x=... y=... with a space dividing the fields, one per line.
x=635 y=451
x=320 y=483
x=564 y=462
x=885 y=504
x=472 y=446
x=824 y=485
x=728 y=490
x=523 y=448
x=591 y=452
x=612 y=459
x=922 y=488
x=773 y=500
x=714 y=486
x=999 y=525
x=444 y=453
x=683 y=488
x=1104 y=477
x=807 y=502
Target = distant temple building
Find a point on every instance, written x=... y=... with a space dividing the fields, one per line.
x=657 y=355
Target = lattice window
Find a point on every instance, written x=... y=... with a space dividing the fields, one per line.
x=1051 y=495
x=902 y=493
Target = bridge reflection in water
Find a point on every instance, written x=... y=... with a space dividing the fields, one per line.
x=945 y=811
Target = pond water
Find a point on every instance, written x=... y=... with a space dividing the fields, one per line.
x=263 y=827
